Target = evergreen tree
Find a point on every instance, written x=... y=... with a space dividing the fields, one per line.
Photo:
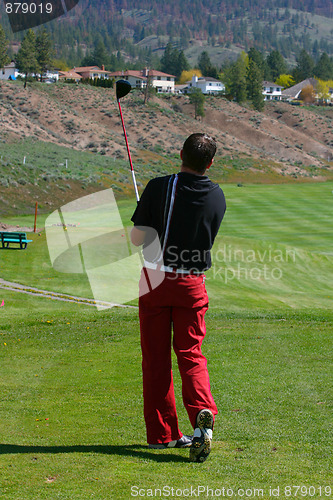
x=254 y=85
x=4 y=59
x=174 y=61
x=168 y=59
x=100 y=55
x=324 y=68
x=79 y=53
x=182 y=64
x=205 y=65
x=276 y=64
x=45 y=52
x=198 y=99
x=304 y=68
x=237 y=80
x=257 y=57
x=26 y=58
x=88 y=60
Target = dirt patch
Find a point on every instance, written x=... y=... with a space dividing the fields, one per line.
x=24 y=229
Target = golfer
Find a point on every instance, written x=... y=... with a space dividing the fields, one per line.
x=186 y=210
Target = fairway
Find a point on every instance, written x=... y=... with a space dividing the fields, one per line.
x=71 y=422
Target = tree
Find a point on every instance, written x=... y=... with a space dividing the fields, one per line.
x=187 y=75
x=276 y=64
x=324 y=68
x=4 y=59
x=174 y=61
x=304 y=68
x=285 y=81
x=198 y=99
x=168 y=58
x=100 y=55
x=205 y=65
x=258 y=58
x=45 y=52
x=254 y=85
x=26 y=58
x=149 y=89
x=237 y=79
x=323 y=91
x=60 y=64
x=89 y=60
x=182 y=64
x=308 y=95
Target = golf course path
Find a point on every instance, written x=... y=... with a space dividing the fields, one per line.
x=17 y=287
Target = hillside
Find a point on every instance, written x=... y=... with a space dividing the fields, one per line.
x=48 y=124
x=138 y=32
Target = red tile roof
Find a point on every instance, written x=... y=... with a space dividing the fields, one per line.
x=140 y=73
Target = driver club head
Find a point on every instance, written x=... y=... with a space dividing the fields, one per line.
x=123 y=87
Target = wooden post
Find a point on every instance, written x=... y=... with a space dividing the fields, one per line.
x=35 y=217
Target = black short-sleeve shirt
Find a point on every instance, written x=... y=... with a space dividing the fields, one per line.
x=197 y=212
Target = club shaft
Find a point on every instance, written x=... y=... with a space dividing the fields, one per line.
x=129 y=154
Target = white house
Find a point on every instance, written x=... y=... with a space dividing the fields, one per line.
x=8 y=71
x=206 y=84
x=162 y=82
x=271 y=91
x=51 y=75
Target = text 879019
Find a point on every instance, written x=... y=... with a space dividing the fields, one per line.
x=28 y=8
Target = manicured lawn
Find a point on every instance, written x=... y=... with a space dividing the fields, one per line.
x=71 y=424
x=71 y=421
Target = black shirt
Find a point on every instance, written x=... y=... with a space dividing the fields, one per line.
x=197 y=212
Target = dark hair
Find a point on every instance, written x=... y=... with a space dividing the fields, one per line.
x=198 y=152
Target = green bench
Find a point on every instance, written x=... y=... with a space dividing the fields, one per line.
x=7 y=238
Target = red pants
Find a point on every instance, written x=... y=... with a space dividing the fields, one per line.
x=181 y=302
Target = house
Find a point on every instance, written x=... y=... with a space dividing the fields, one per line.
x=91 y=72
x=69 y=75
x=9 y=72
x=293 y=93
x=51 y=76
x=206 y=84
x=162 y=82
x=271 y=91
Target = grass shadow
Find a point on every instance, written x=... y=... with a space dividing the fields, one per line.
x=133 y=450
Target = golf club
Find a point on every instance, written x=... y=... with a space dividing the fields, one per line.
x=123 y=87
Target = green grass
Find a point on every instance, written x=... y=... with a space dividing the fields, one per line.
x=297 y=215
x=71 y=424
x=274 y=250
x=71 y=380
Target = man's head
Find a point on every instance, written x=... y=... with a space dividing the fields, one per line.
x=198 y=152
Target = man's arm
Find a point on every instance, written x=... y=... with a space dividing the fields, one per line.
x=137 y=236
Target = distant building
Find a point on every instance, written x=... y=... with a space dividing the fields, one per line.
x=293 y=93
x=162 y=82
x=69 y=75
x=91 y=72
x=206 y=84
x=9 y=72
x=271 y=91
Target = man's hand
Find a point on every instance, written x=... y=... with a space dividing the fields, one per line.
x=137 y=236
